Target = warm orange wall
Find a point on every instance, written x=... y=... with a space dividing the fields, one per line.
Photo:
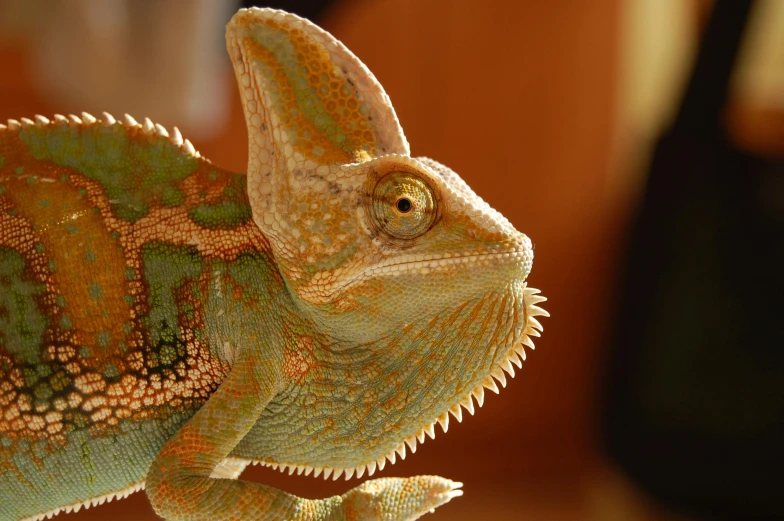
x=518 y=97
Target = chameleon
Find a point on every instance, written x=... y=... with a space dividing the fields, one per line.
x=165 y=322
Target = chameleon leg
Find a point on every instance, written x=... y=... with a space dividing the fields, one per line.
x=180 y=488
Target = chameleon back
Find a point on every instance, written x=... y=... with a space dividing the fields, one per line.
x=114 y=239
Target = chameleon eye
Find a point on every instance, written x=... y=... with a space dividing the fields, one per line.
x=404 y=206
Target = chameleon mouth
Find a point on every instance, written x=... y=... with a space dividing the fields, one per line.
x=324 y=286
x=515 y=355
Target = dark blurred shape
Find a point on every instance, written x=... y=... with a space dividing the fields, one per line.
x=695 y=390
x=310 y=9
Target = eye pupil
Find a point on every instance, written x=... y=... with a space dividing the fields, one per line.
x=404 y=205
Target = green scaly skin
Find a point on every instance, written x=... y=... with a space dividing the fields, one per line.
x=164 y=322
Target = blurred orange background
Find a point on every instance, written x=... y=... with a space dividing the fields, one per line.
x=535 y=105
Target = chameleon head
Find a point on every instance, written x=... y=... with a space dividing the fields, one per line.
x=415 y=285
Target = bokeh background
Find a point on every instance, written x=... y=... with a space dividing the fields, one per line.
x=553 y=111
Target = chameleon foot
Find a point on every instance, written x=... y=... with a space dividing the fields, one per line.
x=398 y=499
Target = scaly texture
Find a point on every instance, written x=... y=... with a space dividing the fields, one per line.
x=164 y=322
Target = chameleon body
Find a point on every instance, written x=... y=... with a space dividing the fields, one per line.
x=165 y=322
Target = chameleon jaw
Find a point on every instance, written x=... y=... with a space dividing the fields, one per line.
x=514 y=355
x=324 y=285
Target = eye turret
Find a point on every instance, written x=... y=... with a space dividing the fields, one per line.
x=403 y=205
